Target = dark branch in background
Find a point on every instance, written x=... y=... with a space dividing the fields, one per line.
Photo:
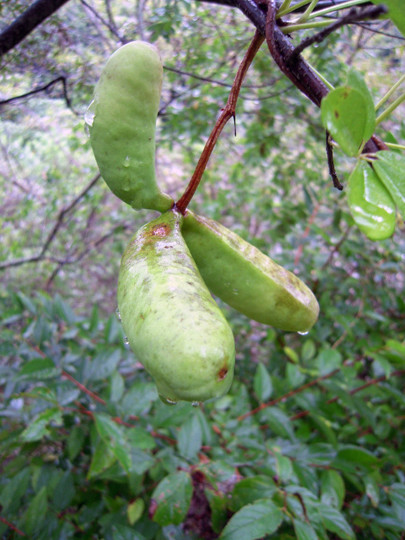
x=51 y=236
x=43 y=89
x=26 y=22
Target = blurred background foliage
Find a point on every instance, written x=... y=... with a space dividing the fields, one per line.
x=86 y=448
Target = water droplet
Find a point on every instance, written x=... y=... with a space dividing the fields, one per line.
x=126 y=341
x=303 y=333
x=118 y=314
x=167 y=401
x=195 y=403
x=126 y=162
x=90 y=114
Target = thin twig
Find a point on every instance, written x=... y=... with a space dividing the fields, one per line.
x=12 y=526
x=82 y=388
x=51 y=236
x=331 y=163
x=110 y=26
x=353 y=16
x=227 y=113
x=352 y=392
x=288 y=394
x=61 y=79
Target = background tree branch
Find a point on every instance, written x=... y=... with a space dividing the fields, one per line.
x=26 y=22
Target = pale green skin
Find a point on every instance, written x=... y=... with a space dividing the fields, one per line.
x=173 y=325
x=122 y=124
x=246 y=279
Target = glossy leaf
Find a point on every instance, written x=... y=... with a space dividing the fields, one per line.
x=347 y=115
x=172 y=497
x=304 y=531
x=390 y=168
x=370 y=204
x=251 y=489
x=253 y=521
x=335 y=522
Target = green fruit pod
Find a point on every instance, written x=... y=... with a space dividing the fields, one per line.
x=171 y=321
x=248 y=280
x=122 y=122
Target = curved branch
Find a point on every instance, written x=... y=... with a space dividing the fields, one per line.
x=51 y=236
x=61 y=79
x=26 y=22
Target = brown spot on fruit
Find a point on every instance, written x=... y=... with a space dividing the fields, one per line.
x=336 y=114
x=222 y=373
x=160 y=230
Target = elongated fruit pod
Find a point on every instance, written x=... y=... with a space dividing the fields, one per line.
x=246 y=279
x=173 y=325
x=122 y=124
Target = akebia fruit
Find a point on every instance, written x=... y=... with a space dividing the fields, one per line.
x=172 y=323
x=246 y=279
x=122 y=123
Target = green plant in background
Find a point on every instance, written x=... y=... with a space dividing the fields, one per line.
x=309 y=440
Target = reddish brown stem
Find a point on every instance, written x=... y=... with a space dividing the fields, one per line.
x=371 y=382
x=227 y=112
x=12 y=526
x=83 y=388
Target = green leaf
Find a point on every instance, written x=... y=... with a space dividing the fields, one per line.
x=75 y=441
x=104 y=364
x=135 y=510
x=396 y=494
x=395 y=12
x=101 y=460
x=38 y=428
x=370 y=204
x=15 y=488
x=140 y=438
x=113 y=435
x=253 y=521
x=172 y=497
x=357 y=456
x=390 y=168
x=218 y=505
x=356 y=81
x=64 y=491
x=304 y=531
x=36 y=512
x=332 y=488
x=334 y=521
x=278 y=421
x=372 y=489
x=189 y=437
x=39 y=368
x=328 y=360
x=345 y=113
x=262 y=383
x=250 y=490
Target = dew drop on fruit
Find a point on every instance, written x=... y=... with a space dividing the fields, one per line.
x=303 y=333
x=167 y=401
x=118 y=314
x=195 y=403
x=89 y=115
x=126 y=341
